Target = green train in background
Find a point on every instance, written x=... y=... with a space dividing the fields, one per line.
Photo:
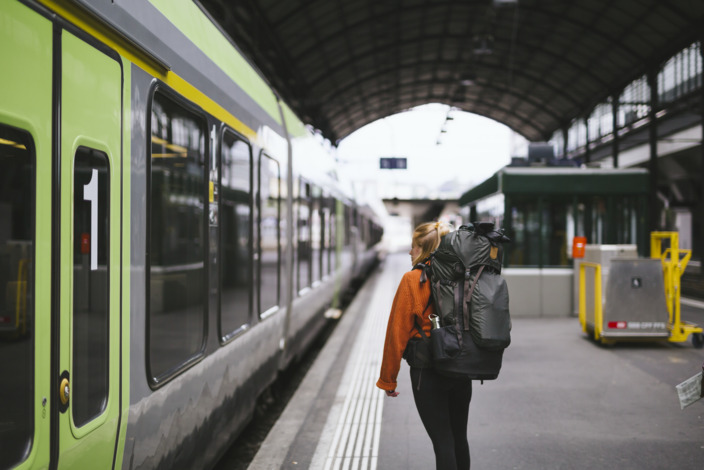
x=171 y=235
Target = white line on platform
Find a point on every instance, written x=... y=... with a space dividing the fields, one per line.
x=355 y=418
x=692 y=302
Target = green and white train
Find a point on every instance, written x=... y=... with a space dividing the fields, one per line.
x=171 y=235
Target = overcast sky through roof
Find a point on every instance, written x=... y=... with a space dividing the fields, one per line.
x=440 y=164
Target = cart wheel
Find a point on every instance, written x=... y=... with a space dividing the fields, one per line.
x=698 y=340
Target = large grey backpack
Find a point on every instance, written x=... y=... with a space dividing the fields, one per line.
x=471 y=302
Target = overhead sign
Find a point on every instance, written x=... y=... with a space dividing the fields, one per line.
x=393 y=163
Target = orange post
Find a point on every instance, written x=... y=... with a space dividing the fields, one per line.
x=578 y=246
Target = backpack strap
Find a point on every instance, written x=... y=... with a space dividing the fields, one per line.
x=459 y=304
x=424 y=267
x=468 y=291
x=423 y=336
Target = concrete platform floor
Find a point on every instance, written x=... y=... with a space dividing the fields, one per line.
x=561 y=401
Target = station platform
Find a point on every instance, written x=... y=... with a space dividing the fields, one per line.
x=560 y=402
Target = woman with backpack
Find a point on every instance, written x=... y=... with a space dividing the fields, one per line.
x=442 y=402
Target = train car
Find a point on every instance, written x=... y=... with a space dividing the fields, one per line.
x=171 y=235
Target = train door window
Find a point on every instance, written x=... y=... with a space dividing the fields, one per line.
x=316 y=235
x=304 y=238
x=176 y=245
x=269 y=201
x=91 y=226
x=17 y=213
x=235 y=235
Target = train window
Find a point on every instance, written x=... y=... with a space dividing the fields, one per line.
x=17 y=213
x=369 y=232
x=316 y=235
x=283 y=234
x=269 y=233
x=176 y=245
x=304 y=236
x=333 y=224
x=235 y=238
x=90 y=284
x=325 y=233
x=348 y=225
x=361 y=229
x=295 y=190
x=345 y=247
x=354 y=227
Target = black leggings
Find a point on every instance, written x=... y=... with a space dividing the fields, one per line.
x=443 y=406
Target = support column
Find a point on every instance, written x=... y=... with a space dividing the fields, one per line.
x=587 y=150
x=615 y=142
x=653 y=212
x=508 y=226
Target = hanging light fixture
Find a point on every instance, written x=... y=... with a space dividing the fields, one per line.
x=468 y=78
x=483 y=45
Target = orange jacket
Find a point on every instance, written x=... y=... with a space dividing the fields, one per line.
x=410 y=301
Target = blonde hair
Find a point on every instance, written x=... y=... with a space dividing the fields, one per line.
x=427 y=236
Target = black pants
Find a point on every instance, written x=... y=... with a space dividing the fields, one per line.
x=443 y=406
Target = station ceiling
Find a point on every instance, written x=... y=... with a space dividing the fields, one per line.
x=533 y=65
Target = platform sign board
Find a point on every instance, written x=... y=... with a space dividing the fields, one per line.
x=393 y=163
x=691 y=390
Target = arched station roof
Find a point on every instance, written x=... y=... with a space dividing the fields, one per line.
x=533 y=65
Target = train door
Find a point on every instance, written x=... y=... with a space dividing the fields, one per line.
x=88 y=331
x=25 y=236
x=75 y=333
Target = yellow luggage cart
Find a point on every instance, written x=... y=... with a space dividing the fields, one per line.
x=642 y=298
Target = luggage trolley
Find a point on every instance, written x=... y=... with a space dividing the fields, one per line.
x=642 y=296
